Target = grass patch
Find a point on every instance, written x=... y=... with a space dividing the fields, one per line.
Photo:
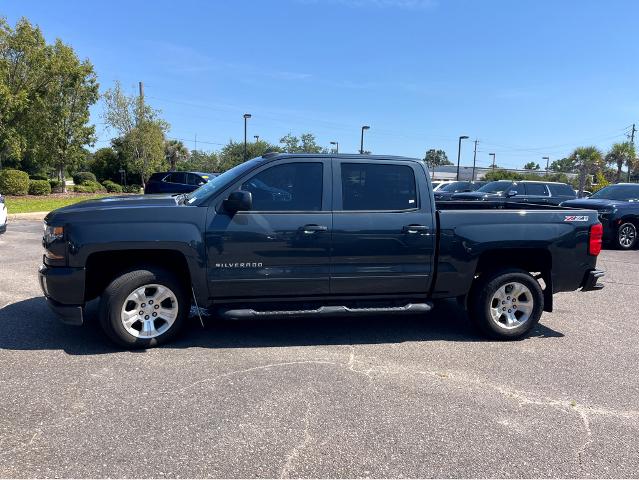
x=47 y=203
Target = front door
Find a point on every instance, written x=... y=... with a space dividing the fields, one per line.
x=383 y=230
x=282 y=246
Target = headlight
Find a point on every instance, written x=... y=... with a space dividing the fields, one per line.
x=51 y=233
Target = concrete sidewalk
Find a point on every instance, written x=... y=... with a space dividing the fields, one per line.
x=33 y=216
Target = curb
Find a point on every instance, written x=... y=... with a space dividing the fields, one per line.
x=32 y=216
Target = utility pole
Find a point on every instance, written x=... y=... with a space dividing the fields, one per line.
x=493 y=155
x=632 y=140
x=246 y=117
x=547 y=163
x=195 y=142
x=474 y=160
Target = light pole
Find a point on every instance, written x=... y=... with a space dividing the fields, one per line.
x=257 y=138
x=361 y=142
x=547 y=163
x=493 y=155
x=463 y=137
x=246 y=117
x=336 y=146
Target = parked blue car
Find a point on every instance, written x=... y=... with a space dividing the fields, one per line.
x=177 y=182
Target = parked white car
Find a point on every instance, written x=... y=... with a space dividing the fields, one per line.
x=3 y=215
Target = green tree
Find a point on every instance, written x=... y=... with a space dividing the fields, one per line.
x=199 y=161
x=588 y=161
x=175 y=152
x=436 y=158
x=140 y=128
x=531 y=166
x=45 y=95
x=621 y=154
x=233 y=152
x=105 y=164
x=306 y=143
x=64 y=122
x=565 y=165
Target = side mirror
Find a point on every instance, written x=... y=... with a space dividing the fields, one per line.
x=512 y=193
x=239 y=201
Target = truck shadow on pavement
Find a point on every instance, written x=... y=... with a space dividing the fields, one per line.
x=30 y=325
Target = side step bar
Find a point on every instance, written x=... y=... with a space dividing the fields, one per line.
x=326 y=311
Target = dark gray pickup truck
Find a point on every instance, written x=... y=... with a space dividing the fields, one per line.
x=312 y=235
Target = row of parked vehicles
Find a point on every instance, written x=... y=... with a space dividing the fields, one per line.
x=617 y=205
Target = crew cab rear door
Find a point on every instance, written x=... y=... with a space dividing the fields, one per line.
x=383 y=227
x=281 y=247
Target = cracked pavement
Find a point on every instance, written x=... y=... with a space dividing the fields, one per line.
x=418 y=396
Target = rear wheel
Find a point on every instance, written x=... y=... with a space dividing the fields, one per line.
x=626 y=236
x=506 y=304
x=143 y=308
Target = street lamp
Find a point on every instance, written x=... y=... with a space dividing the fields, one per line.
x=361 y=143
x=336 y=146
x=246 y=117
x=463 y=137
x=257 y=138
x=493 y=155
x=547 y=163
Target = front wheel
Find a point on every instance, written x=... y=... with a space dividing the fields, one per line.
x=143 y=308
x=506 y=304
x=626 y=236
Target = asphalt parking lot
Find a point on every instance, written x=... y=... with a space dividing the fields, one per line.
x=371 y=397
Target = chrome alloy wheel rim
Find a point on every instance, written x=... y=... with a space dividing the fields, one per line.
x=627 y=234
x=511 y=305
x=149 y=311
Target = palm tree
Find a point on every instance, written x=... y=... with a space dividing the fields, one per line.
x=621 y=154
x=174 y=150
x=588 y=160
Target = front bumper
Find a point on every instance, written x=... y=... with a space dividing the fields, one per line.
x=591 y=281
x=63 y=288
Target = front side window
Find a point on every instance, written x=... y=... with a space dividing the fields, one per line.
x=176 y=177
x=287 y=187
x=626 y=193
x=499 y=186
x=368 y=186
x=537 y=189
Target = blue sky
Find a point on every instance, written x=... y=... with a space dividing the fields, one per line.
x=527 y=78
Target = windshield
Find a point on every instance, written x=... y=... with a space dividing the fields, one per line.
x=495 y=187
x=624 y=193
x=219 y=182
x=453 y=186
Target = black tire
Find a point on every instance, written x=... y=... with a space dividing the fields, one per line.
x=626 y=237
x=114 y=296
x=481 y=305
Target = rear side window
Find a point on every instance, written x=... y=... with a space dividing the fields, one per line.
x=536 y=189
x=368 y=186
x=561 y=189
x=176 y=177
x=287 y=187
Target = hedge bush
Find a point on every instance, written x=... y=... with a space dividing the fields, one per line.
x=38 y=177
x=81 y=178
x=57 y=186
x=39 y=187
x=132 y=188
x=88 y=187
x=14 y=182
x=112 y=187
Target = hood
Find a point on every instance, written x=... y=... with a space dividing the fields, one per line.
x=474 y=196
x=112 y=203
x=593 y=203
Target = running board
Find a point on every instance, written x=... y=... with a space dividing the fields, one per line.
x=326 y=311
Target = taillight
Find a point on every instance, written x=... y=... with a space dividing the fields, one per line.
x=594 y=242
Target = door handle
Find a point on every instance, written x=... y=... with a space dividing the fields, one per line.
x=312 y=228
x=414 y=228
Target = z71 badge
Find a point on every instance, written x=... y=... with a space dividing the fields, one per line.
x=576 y=218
